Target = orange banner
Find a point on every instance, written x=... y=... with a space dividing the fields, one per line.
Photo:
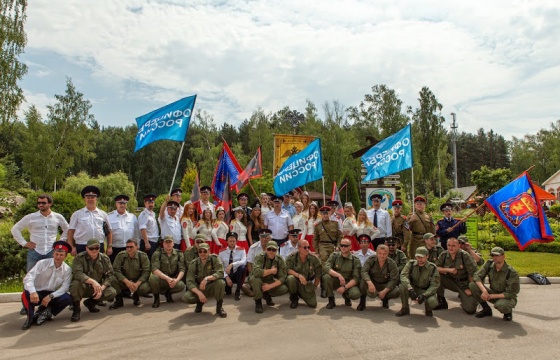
x=286 y=145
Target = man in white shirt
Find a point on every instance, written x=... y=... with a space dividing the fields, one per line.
x=290 y=246
x=380 y=219
x=147 y=224
x=43 y=228
x=364 y=240
x=47 y=284
x=176 y=196
x=124 y=225
x=234 y=259
x=89 y=223
x=278 y=221
x=169 y=222
x=205 y=202
x=334 y=215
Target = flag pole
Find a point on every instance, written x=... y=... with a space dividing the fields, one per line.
x=324 y=199
x=176 y=167
x=252 y=188
x=413 y=190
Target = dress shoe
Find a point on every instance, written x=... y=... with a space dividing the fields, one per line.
x=27 y=324
x=237 y=296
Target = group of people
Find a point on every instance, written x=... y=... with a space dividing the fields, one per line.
x=279 y=245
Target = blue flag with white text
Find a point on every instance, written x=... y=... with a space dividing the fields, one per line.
x=300 y=169
x=389 y=156
x=170 y=122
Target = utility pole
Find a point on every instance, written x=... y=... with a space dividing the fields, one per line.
x=454 y=139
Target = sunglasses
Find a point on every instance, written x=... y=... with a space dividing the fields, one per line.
x=344 y=245
x=271 y=249
x=130 y=247
x=305 y=247
x=94 y=248
x=42 y=203
x=202 y=251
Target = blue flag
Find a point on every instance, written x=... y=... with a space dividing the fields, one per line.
x=300 y=169
x=170 y=122
x=519 y=209
x=227 y=167
x=389 y=156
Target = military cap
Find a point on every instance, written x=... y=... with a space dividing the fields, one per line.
x=167 y=238
x=62 y=245
x=256 y=204
x=364 y=237
x=497 y=251
x=462 y=239
x=242 y=195
x=376 y=196
x=272 y=244
x=230 y=234
x=204 y=246
x=206 y=188
x=391 y=240
x=172 y=203
x=421 y=252
x=238 y=208
x=397 y=203
x=91 y=190
x=176 y=191
x=294 y=232
x=324 y=208
x=93 y=242
x=276 y=198
x=419 y=199
x=333 y=203
x=150 y=197
x=265 y=232
x=446 y=206
x=428 y=236
x=121 y=197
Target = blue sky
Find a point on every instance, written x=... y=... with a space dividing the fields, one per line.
x=495 y=63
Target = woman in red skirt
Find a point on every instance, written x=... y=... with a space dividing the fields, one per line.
x=239 y=226
x=220 y=229
x=313 y=220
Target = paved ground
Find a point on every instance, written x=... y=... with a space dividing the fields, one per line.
x=175 y=330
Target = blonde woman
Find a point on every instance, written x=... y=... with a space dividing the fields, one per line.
x=239 y=225
x=299 y=218
x=220 y=229
x=365 y=226
x=306 y=201
x=313 y=219
x=188 y=221
x=204 y=227
x=349 y=226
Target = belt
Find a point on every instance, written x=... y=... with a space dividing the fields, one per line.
x=284 y=239
x=418 y=233
x=325 y=242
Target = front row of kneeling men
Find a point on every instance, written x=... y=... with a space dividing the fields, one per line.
x=93 y=278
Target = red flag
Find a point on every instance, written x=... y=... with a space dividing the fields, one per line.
x=336 y=197
x=227 y=167
x=252 y=171
x=226 y=200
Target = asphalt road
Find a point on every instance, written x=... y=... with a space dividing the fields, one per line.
x=174 y=330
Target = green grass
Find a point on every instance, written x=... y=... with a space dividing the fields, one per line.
x=529 y=262
x=10 y=286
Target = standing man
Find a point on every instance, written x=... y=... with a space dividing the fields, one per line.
x=333 y=214
x=365 y=252
x=93 y=279
x=448 y=227
x=89 y=223
x=304 y=275
x=456 y=269
x=169 y=222
x=47 y=284
x=268 y=277
x=380 y=276
x=278 y=221
x=286 y=205
x=399 y=226
x=147 y=224
x=234 y=260
x=132 y=270
x=205 y=278
x=176 y=196
x=205 y=202
x=420 y=223
x=380 y=219
x=342 y=273
x=168 y=269
x=124 y=225
x=503 y=289
x=291 y=245
x=419 y=282
x=243 y=199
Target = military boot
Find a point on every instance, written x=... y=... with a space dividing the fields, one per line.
x=331 y=303
x=508 y=316
x=118 y=302
x=486 y=311
x=429 y=313
x=403 y=311
x=268 y=299
x=258 y=306
x=136 y=299
x=90 y=303
x=442 y=303
x=362 y=304
x=347 y=300
x=156 y=301
x=220 y=310
x=385 y=302
x=294 y=298
x=168 y=297
x=76 y=310
x=198 y=307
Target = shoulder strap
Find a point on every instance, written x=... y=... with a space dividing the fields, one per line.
x=330 y=238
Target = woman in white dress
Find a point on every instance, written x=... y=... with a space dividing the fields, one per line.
x=313 y=219
x=306 y=201
x=220 y=228
x=239 y=226
x=187 y=224
x=299 y=218
x=349 y=225
x=204 y=227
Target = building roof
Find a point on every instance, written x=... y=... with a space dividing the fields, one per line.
x=467 y=192
x=550 y=179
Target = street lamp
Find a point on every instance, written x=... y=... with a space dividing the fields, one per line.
x=454 y=139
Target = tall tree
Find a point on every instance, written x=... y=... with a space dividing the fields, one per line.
x=37 y=149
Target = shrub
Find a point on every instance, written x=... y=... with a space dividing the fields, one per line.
x=64 y=202
x=12 y=255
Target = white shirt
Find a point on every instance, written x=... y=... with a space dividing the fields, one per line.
x=208 y=205
x=254 y=250
x=147 y=221
x=240 y=229
x=299 y=221
x=239 y=258
x=310 y=226
x=124 y=227
x=360 y=255
x=278 y=223
x=42 y=230
x=336 y=217
x=170 y=225
x=363 y=229
x=202 y=228
x=383 y=222
x=187 y=227
x=88 y=225
x=349 y=226
x=287 y=248
x=219 y=231
x=44 y=276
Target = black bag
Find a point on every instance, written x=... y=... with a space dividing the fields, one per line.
x=539 y=279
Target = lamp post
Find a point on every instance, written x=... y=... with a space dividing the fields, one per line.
x=454 y=139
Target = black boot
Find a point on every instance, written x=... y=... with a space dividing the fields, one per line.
x=135 y=299
x=76 y=310
x=118 y=302
x=508 y=316
x=198 y=308
x=362 y=304
x=442 y=304
x=90 y=303
x=403 y=311
x=268 y=299
x=168 y=297
x=237 y=296
x=331 y=303
x=323 y=292
x=429 y=313
x=294 y=298
x=220 y=310
x=385 y=303
x=258 y=306
x=156 y=301
x=23 y=311
x=347 y=300
x=486 y=311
